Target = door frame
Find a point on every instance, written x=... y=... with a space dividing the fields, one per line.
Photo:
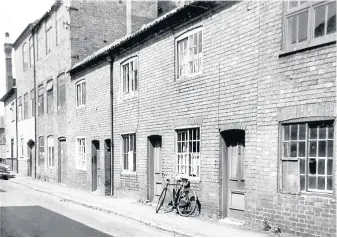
x=150 y=165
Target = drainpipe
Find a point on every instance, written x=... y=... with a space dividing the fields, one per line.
x=111 y=60
x=35 y=116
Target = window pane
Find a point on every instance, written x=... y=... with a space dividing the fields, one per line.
x=322 y=132
x=292 y=29
x=302 y=131
x=302 y=166
x=321 y=166
x=312 y=182
x=329 y=167
x=301 y=149
x=293 y=149
x=331 y=28
x=329 y=183
x=234 y=161
x=286 y=132
x=303 y=26
x=294 y=129
x=330 y=148
x=313 y=132
x=321 y=148
x=312 y=166
x=330 y=131
x=321 y=183
x=302 y=182
x=313 y=149
x=319 y=21
x=131 y=143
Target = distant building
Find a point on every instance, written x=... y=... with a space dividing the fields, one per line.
x=2 y=138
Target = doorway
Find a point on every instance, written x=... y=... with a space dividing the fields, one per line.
x=62 y=153
x=155 y=167
x=232 y=144
x=95 y=163
x=31 y=155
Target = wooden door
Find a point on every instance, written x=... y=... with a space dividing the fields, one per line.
x=95 y=165
x=61 y=159
x=155 y=168
x=233 y=184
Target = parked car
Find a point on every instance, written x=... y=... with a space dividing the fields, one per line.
x=4 y=169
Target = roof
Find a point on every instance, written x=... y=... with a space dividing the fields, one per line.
x=52 y=9
x=8 y=94
x=24 y=33
x=198 y=7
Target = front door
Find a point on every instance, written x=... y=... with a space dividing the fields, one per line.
x=155 y=168
x=61 y=159
x=29 y=161
x=95 y=165
x=233 y=184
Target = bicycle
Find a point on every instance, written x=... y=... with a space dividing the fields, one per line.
x=184 y=199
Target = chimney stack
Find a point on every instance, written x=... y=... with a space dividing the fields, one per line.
x=8 y=47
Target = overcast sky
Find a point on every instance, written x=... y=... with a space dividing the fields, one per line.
x=15 y=15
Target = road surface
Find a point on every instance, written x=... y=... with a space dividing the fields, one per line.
x=25 y=212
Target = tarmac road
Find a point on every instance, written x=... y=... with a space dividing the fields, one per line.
x=25 y=212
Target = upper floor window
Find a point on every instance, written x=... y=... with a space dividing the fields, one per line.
x=48 y=36
x=24 y=56
x=20 y=108
x=50 y=151
x=31 y=51
x=129 y=75
x=80 y=93
x=32 y=101
x=307 y=156
x=80 y=154
x=61 y=91
x=59 y=29
x=129 y=152
x=40 y=101
x=40 y=44
x=25 y=105
x=50 y=97
x=309 y=22
x=189 y=53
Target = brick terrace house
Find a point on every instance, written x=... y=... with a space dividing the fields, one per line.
x=9 y=99
x=240 y=97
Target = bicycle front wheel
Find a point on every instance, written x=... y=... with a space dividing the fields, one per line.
x=161 y=199
x=187 y=202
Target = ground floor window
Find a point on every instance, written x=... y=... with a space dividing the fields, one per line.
x=188 y=152
x=50 y=151
x=41 y=150
x=80 y=154
x=129 y=152
x=307 y=150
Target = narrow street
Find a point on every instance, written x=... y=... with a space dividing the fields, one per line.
x=25 y=212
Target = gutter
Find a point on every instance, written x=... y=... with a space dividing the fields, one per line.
x=111 y=59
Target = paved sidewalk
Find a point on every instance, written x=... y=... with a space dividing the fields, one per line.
x=181 y=226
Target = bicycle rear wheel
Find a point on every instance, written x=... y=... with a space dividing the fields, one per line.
x=161 y=199
x=187 y=202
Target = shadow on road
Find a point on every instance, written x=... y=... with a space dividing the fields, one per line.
x=38 y=221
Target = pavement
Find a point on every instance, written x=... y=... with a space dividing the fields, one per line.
x=143 y=213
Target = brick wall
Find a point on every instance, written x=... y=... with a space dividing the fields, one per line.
x=289 y=87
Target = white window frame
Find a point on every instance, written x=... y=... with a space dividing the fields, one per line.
x=31 y=52
x=133 y=82
x=40 y=44
x=49 y=36
x=81 y=163
x=50 y=151
x=309 y=6
x=131 y=154
x=21 y=147
x=25 y=55
x=59 y=29
x=189 y=56
x=80 y=96
x=181 y=158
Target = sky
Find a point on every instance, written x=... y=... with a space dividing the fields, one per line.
x=15 y=15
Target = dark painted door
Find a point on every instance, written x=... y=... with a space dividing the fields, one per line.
x=95 y=165
x=29 y=161
x=61 y=159
x=155 y=165
x=233 y=174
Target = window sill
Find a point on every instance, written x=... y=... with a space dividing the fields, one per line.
x=191 y=179
x=318 y=194
x=313 y=45
x=81 y=169
x=128 y=96
x=189 y=77
x=80 y=107
x=129 y=173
